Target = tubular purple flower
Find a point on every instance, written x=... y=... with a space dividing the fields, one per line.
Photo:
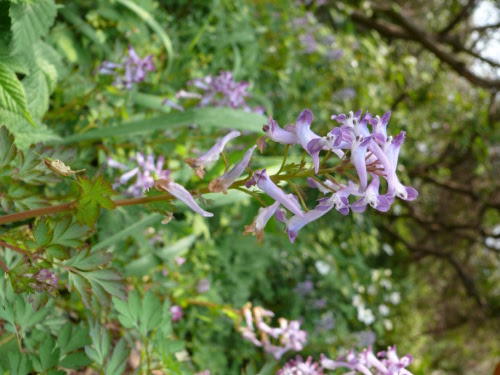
x=223 y=182
x=392 y=148
x=310 y=141
x=212 y=155
x=295 y=223
x=358 y=159
x=379 y=126
x=265 y=183
x=340 y=199
x=260 y=221
x=279 y=135
x=180 y=193
x=373 y=198
x=330 y=186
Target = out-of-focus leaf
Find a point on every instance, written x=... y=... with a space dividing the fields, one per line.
x=205 y=117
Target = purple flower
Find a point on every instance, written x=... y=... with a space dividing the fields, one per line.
x=304 y=288
x=46 y=280
x=145 y=172
x=180 y=193
x=172 y=104
x=366 y=362
x=392 y=148
x=133 y=70
x=288 y=335
x=279 y=135
x=335 y=54
x=265 y=183
x=310 y=141
x=373 y=198
x=308 y=42
x=219 y=91
x=260 y=221
x=212 y=155
x=176 y=312
x=223 y=182
x=295 y=223
x=298 y=367
x=330 y=186
x=203 y=286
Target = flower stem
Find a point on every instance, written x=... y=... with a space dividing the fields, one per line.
x=66 y=207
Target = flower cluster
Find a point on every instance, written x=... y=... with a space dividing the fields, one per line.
x=132 y=70
x=145 y=171
x=288 y=336
x=373 y=155
x=297 y=366
x=367 y=363
x=219 y=91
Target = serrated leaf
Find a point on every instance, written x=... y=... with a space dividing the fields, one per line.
x=37 y=93
x=93 y=195
x=75 y=360
x=86 y=261
x=117 y=362
x=42 y=233
x=151 y=313
x=18 y=124
x=68 y=233
x=30 y=22
x=82 y=286
x=7 y=147
x=12 y=95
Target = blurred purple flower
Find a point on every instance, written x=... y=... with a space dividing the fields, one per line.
x=298 y=367
x=132 y=71
x=219 y=91
x=335 y=54
x=308 y=42
x=366 y=362
x=203 y=286
x=145 y=172
x=176 y=312
x=304 y=288
x=46 y=280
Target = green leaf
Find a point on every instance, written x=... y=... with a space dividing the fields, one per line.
x=19 y=363
x=75 y=360
x=87 y=276
x=30 y=22
x=49 y=354
x=215 y=118
x=12 y=95
x=100 y=343
x=68 y=233
x=72 y=337
x=7 y=147
x=117 y=362
x=93 y=195
x=134 y=228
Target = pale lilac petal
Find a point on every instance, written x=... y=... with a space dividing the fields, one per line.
x=223 y=182
x=265 y=183
x=276 y=134
x=305 y=135
x=182 y=194
x=296 y=223
x=212 y=155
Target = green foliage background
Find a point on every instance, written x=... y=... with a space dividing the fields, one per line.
x=54 y=104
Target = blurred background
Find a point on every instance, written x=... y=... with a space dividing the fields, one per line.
x=424 y=276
